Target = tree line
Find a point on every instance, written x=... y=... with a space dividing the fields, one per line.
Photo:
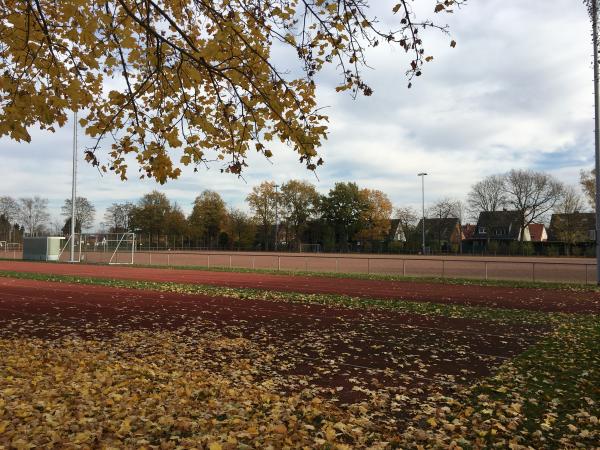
x=295 y=213
x=281 y=217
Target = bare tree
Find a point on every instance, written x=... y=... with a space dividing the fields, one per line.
x=9 y=208
x=587 y=180
x=571 y=201
x=488 y=194
x=33 y=214
x=84 y=211
x=408 y=217
x=445 y=208
x=117 y=217
x=532 y=193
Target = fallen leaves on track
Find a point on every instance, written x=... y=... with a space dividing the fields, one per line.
x=251 y=369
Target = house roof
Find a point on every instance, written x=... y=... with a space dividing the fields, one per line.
x=536 y=231
x=394 y=224
x=509 y=222
x=440 y=228
x=577 y=223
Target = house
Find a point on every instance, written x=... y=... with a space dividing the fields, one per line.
x=572 y=228
x=440 y=231
x=537 y=232
x=500 y=226
x=396 y=232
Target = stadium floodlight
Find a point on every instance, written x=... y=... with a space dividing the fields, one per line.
x=276 y=216
x=422 y=175
x=74 y=189
x=594 y=13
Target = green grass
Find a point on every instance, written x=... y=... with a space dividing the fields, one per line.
x=547 y=397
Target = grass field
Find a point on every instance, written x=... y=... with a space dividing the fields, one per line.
x=252 y=361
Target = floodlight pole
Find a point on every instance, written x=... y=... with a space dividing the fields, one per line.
x=422 y=175
x=74 y=188
x=597 y=130
x=276 y=216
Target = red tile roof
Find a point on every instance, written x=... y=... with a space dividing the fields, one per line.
x=536 y=231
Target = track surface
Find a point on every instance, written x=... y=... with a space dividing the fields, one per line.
x=547 y=300
x=340 y=352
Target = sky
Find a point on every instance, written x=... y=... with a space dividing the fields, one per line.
x=515 y=92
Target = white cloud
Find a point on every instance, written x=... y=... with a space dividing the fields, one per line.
x=516 y=92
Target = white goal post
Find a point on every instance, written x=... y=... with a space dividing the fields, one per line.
x=111 y=248
x=124 y=248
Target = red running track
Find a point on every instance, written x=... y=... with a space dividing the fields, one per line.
x=547 y=300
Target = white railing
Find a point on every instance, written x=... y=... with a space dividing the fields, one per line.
x=511 y=268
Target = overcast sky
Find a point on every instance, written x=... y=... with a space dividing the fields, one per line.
x=516 y=92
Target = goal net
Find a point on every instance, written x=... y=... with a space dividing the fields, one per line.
x=111 y=248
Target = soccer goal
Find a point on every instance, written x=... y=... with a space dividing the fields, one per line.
x=77 y=237
x=120 y=246
x=111 y=248
x=310 y=248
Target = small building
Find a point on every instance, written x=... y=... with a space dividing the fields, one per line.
x=500 y=226
x=45 y=248
x=537 y=232
x=572 y=228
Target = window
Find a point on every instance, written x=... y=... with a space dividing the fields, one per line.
x=500 y=231
x=482 y=230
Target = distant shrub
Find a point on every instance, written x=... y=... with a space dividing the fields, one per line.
x=514 y=248
x=552 y=250
x=527 y=248
x=395 y=247
x=493 y=247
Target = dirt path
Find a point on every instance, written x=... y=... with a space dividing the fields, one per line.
x=496 y=297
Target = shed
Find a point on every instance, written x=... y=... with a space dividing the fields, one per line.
x=45 y=248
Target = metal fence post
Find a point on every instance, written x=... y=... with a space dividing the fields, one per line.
x=230 y=266
x=443 y=268
x=369 y=266
x=253 y=260
x=305 y=264
x=208 y=261
x=168 y=259
x=403 y=267
x=486 y=270
x=586 y=275
x=150 y=255
x=533 y=272
x=278 y=262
